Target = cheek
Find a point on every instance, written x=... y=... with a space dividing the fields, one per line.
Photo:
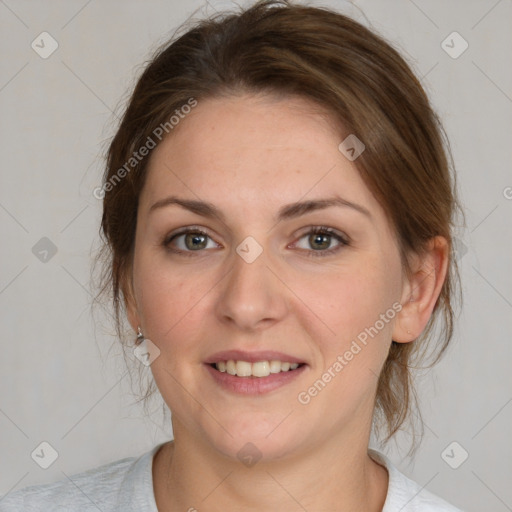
x=171 y=303
x=353 y=299
x=356 y=304
x=168 y=298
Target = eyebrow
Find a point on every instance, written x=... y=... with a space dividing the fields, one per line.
x=286 y=212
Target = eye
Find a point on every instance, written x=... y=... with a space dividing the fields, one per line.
x=188 y=240
x=191 y=239
x=320 y=239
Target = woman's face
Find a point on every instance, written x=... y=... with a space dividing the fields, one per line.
x=260 y=282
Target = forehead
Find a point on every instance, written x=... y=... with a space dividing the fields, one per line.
x=259 y=150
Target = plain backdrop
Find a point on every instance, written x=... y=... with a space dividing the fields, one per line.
x=63 y=379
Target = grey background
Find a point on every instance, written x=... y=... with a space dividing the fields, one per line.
x=63 y=378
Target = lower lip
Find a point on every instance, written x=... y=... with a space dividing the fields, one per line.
x=254 y=385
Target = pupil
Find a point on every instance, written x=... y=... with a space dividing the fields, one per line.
x=318 y=238
x=193 y=239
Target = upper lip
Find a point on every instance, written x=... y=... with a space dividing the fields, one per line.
x=252 y=357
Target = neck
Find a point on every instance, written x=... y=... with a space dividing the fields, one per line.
x=338 y=475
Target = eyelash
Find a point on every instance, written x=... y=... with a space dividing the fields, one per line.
x=310 y=253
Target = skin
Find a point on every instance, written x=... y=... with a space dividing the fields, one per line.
x=249 y=156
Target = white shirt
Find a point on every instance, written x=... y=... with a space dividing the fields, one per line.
x=126 y=485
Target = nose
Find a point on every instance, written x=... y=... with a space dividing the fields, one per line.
x=252 y=297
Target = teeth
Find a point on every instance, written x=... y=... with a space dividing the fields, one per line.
x=230 y=367
x=243 y=369
x=275 y=366
x=259 y=369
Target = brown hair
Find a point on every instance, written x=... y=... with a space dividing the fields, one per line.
x=350 y=72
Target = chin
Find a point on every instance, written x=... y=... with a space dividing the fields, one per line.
x=261 y=436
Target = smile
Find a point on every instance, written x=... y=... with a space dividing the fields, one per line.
x=257 y=369
x=245 y=378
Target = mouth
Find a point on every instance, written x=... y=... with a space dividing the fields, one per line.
x=253 y=373
x=258 y=369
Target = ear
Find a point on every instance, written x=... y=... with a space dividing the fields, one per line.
x=132 y=316
x=130 y=303
x=421 y=290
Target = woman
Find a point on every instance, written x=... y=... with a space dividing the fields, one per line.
x=278 y=211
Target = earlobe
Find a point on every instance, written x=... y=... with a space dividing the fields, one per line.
x=421 y=290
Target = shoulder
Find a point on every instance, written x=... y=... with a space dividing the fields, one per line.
x=406 y=495
x=126 y=481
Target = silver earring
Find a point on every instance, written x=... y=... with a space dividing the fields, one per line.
x=140 y=336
